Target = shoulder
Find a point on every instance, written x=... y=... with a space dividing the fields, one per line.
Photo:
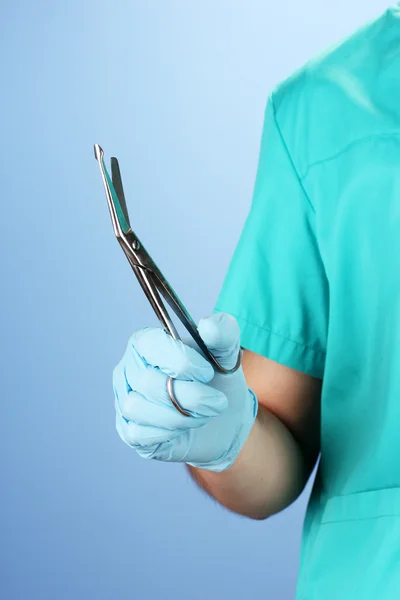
x=349 y=92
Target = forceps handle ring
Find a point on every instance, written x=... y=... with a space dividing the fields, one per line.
x=173 y=399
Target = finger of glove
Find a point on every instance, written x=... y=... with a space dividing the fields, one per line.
x=120 y=384
x=137 y=408
x=221 y=334
x=174 y=450
x=138 y=436
x=159 y=349
x=200 y=399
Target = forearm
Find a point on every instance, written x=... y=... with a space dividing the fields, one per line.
x=268 y=475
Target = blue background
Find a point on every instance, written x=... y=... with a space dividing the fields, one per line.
x=176 y=90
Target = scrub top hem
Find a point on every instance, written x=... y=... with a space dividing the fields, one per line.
x=277 y=347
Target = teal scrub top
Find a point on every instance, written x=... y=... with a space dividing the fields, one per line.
x=314 y=283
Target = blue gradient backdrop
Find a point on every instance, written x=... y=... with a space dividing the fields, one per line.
x=176 y=90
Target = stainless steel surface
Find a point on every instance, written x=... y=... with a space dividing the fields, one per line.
x=152 y=281
x=173 y=399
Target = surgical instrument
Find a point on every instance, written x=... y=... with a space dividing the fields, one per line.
x=151 y=279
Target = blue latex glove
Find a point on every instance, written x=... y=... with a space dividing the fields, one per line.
x=222 y=407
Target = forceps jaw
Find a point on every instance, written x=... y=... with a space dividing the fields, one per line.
x=98 y=152
x=114 y=193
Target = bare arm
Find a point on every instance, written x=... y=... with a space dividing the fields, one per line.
x=282 y=448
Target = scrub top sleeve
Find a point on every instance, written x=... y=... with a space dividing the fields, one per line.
x=276 y=285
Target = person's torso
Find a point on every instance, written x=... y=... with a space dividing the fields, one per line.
x=341 y=115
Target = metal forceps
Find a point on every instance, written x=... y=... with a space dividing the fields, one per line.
x=151 y=279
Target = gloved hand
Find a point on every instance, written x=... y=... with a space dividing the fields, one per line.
x=222 y=407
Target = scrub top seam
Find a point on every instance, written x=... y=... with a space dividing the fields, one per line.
x=348 y=147
x=352 y=519
x=288 y=154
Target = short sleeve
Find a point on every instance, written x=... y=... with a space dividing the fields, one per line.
x=276 y=285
